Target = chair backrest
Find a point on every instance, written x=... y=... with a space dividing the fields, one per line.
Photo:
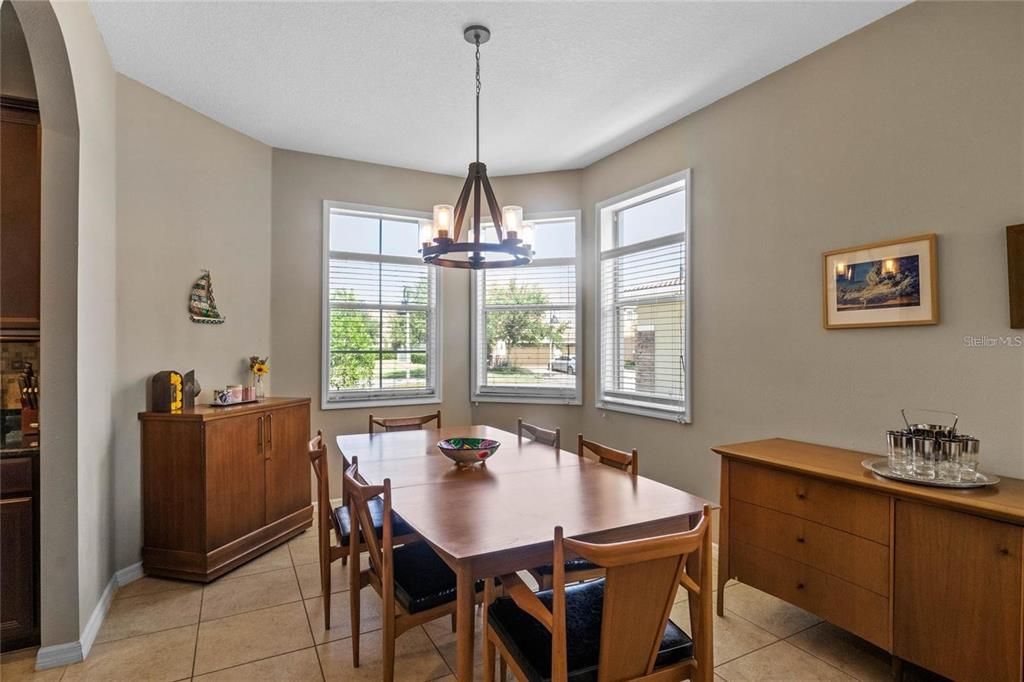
x=627 y=461
x=359 y=495
x=318 y=460
x=404 y=423
x=641 y=577
x=536 y=433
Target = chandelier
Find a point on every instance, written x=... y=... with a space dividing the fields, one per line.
x=440 y=236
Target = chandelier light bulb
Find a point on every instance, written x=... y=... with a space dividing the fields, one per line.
x=444 y=216
x=513 y=220
x=527 y=234
x=426 y=232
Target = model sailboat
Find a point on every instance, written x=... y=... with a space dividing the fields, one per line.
x=201 y=306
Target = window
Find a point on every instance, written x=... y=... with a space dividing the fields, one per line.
x=644 y=293
x=524 y=321
x=380 y=309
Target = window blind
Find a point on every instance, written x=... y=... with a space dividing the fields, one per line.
x=382 y=340
x=525 y=323
x=642 y=325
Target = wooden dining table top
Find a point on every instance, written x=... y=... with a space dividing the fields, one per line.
x=514 y=499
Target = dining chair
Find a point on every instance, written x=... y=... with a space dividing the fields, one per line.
x=538 y=434
x=404 y=423
x=615 y=628
x=627 y=461
x=339 y=519
x=415 y=585
x=579 y=569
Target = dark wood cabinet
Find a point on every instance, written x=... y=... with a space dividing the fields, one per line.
x=19 y=551
x=222 y=485
x=20 y=165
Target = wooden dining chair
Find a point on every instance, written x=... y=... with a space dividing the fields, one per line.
x=538 y=434
x=405 y=423
x=339 y=519
x=415 y=585
x=579 y=569
x=627 y=461
x=615 y=628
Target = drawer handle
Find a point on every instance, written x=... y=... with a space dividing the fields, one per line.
x=1004 y=551
x=799 y=586
x=800 y=539
x=801 y=495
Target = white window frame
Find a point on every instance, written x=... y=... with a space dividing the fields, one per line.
x=528 y=394
x=373 y=398
x=605 y=230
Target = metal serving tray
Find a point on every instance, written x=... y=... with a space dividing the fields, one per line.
x=880 y=467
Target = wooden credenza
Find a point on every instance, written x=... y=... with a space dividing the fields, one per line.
x=222 y=485
x=933 y=576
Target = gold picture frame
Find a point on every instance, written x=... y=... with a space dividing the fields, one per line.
x=890 y=283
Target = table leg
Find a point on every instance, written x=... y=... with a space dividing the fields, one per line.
x=464 y=623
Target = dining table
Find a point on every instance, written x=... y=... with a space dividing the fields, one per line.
x=498 y=516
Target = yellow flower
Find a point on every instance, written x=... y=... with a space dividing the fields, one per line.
x=260 y=368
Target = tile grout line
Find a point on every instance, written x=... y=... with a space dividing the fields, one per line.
x=199 y=624
x=813 y=655
x=316 y=652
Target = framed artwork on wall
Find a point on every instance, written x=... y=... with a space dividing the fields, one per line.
x=885 y=284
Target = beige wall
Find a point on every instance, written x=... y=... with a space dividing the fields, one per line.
x=15 y=64
x=913 y=124
x=301 y=182
x=192 y=194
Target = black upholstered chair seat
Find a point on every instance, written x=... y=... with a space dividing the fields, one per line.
x=422 y=579
x=342 y=521
x=570 y=566
x=529 y=642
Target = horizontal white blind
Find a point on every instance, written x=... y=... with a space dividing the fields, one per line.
x=382 y=327
x=525 y=334
x=643 y=309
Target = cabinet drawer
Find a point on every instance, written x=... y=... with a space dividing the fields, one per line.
x=16 y=475
x=853 y=608
x=835 y=505
x=853 y=558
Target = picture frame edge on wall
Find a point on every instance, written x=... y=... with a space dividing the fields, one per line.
x=933 y=285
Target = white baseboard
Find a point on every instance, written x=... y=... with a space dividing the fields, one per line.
x=129 y=574
x=57 y=655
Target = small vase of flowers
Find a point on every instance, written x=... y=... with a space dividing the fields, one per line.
x=260 y=367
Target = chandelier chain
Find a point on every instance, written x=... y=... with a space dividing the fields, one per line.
x=477 y=42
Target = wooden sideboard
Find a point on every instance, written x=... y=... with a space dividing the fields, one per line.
x=222 y=485
x=931 y=575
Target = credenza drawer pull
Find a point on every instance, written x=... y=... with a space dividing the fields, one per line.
x=800 y=539
x=801 y=495
x=799 y=586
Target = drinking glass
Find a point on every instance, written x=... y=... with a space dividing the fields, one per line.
x=951 y=451
x=926 y=454
x=970 y=449
x=899 y=449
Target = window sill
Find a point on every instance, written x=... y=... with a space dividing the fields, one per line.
x=527 y=399
x=643 y=411
x=378 y=402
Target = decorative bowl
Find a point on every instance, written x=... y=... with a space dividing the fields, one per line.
x=468 y=451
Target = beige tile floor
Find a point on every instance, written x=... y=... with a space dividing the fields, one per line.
x=264 y=621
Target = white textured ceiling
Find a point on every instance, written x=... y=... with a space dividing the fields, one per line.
x=564 y=83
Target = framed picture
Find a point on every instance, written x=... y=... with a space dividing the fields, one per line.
x=885 y=284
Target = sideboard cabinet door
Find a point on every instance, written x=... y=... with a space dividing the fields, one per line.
x=235 y=485
x=288 y=468
x=957 y=593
